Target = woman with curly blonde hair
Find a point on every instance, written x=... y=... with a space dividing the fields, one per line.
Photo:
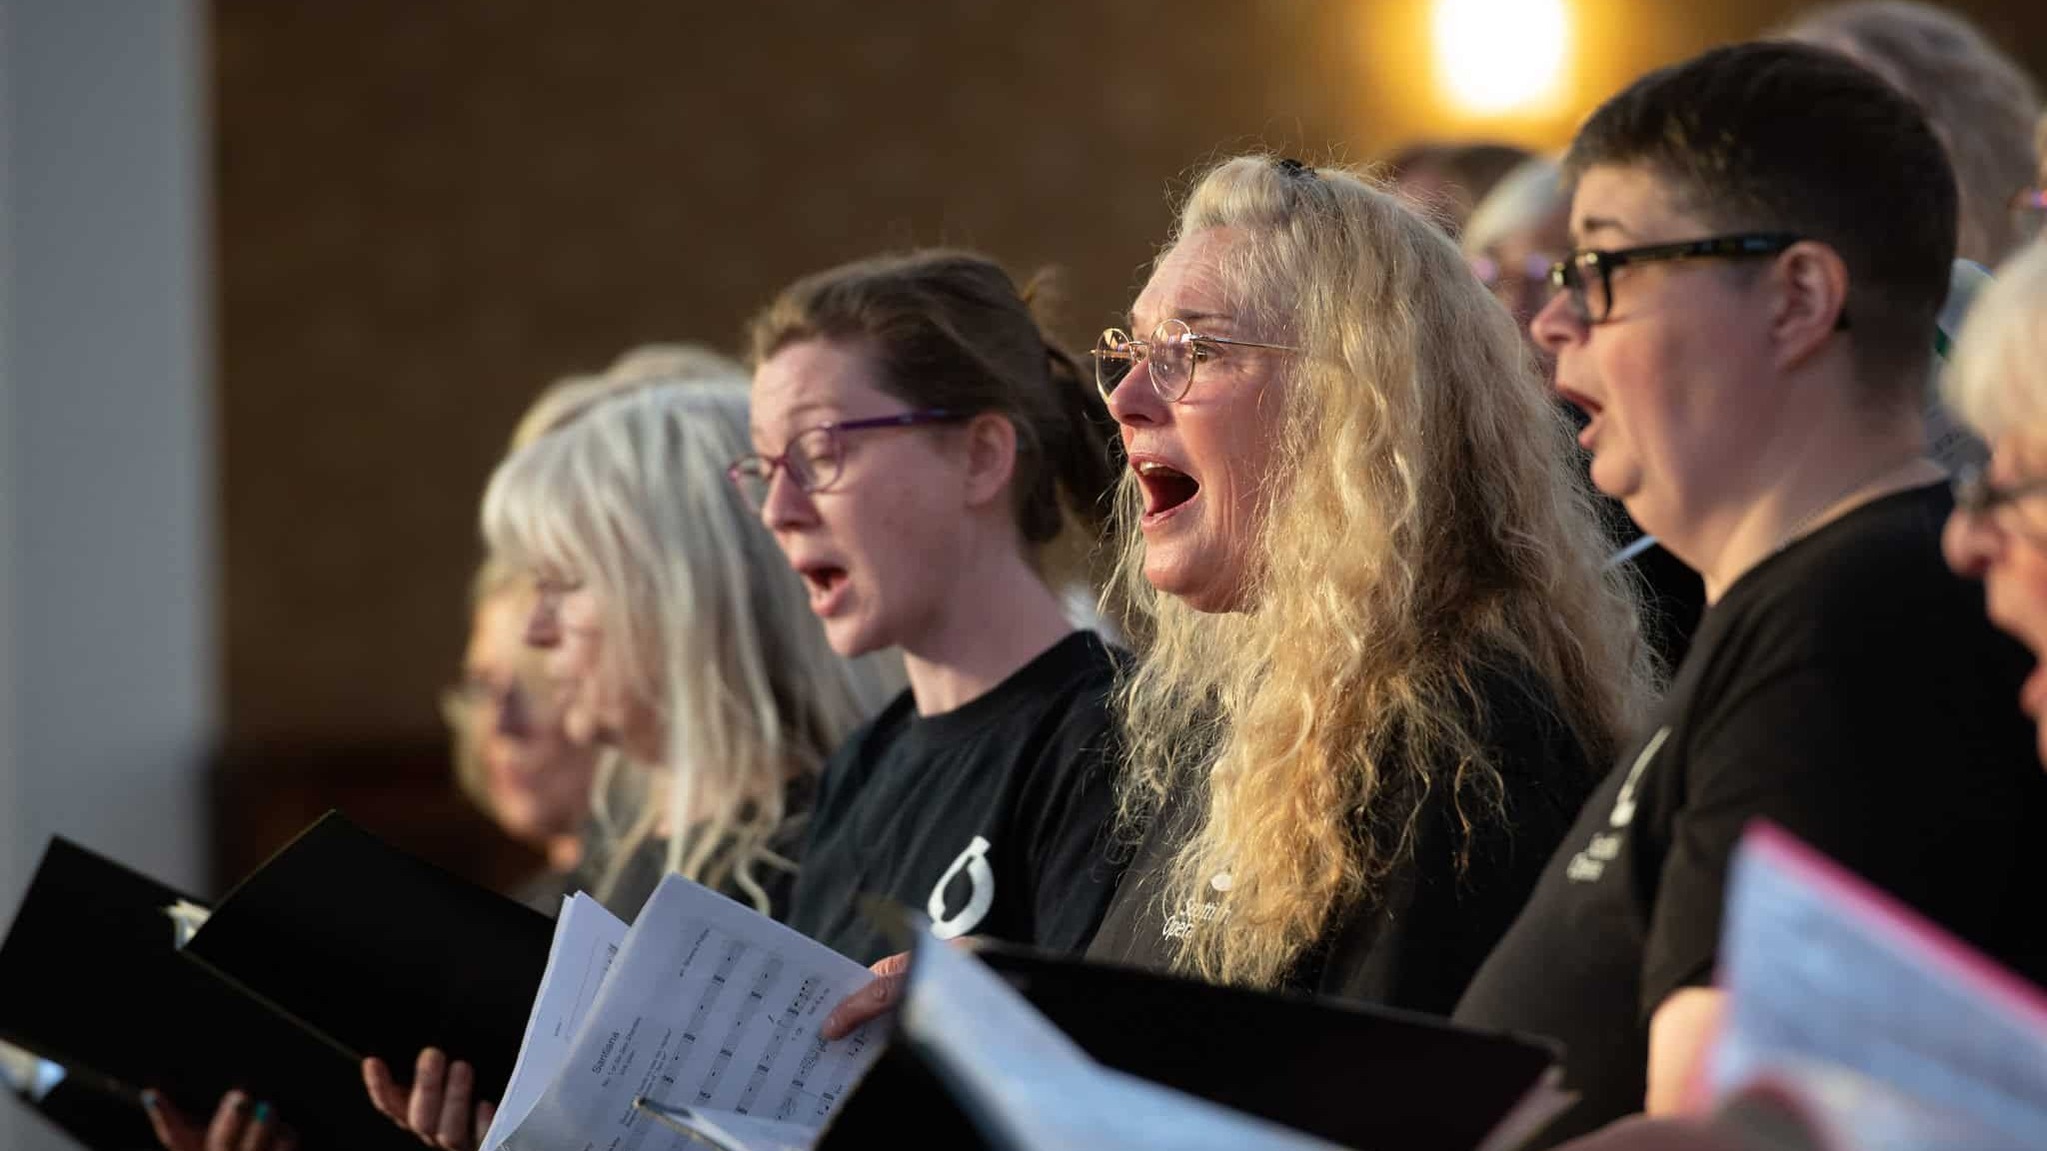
x=1384 y=660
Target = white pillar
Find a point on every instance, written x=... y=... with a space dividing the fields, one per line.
x=108 y=675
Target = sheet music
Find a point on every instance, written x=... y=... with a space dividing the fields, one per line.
x=731 y=1131
x=708 y=1005
x=1823 y=971
x=586 y=939
x=1042 y=1088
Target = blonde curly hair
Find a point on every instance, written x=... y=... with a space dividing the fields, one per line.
x=1424 y=524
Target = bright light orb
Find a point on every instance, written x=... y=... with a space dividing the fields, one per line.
x=1497 y=55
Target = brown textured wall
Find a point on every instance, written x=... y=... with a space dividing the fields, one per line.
x=427 y=210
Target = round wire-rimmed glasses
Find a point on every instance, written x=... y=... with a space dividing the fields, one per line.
x=815 y=456
x=1171 y=355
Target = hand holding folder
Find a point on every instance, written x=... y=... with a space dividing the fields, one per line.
x=339 y=947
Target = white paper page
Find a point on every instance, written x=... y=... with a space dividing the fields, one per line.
x=1841 y=1109
x=1820 y=969
x=709 y=1004
x=731 y=1131
x=1047 y=1093
x=586 y=937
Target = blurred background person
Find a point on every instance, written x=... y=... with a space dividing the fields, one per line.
x=512 y=757
x=1445 y=179
x=678 y=640
x=1515 y=233
x=2029 y=204
x=1980 y=101
x=1998 y=532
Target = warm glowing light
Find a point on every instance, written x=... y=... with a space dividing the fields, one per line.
x=1500 y=55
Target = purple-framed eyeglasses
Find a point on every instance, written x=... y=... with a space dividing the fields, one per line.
x=815 y=456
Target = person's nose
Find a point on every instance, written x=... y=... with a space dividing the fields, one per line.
x=1556 y=325
x=1971 y=542
x=785 y=504
x=543 y=627
x=1136 y=403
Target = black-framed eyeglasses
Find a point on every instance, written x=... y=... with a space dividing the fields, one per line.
x=1172 y=354
x=1586 y=276
x=2029 y=212
x=1977 y=495
x=814 y=457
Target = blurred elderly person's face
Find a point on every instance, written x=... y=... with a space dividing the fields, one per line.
x=536 y=779
x=1998 y=532
x=1203 y=457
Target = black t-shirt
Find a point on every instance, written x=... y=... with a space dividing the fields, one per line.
x=1849 y=688
x=1416 y=944
x=991 y=818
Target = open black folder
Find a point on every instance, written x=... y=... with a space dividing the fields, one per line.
x=90 y=978
x=340 y=946
x=1351 y=1075
x=381 y=953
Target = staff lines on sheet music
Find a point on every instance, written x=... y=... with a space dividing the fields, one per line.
x=786 y=1024
x=756 y=998
x=733 y=950
x=821 y=1101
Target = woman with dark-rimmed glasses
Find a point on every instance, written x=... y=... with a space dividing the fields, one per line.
x=927 y=462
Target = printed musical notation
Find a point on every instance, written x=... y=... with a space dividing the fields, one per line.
x=707 y=1005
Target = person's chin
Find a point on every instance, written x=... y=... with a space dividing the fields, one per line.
x=850 y=636
x=1190 y=581
x=1614 y=474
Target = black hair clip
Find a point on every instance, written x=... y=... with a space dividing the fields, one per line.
x=1294 y=168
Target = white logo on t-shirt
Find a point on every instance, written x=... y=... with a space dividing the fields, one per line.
x=1588 y=865
x=1181 y=923
x=980 y=894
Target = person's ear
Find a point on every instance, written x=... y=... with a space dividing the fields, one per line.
x=1811 y=300
x=991 y=457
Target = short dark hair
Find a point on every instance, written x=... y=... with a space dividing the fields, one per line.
x=1785 y=137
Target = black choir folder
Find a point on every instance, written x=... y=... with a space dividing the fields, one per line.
x=1161 y=1050
x=340 y=946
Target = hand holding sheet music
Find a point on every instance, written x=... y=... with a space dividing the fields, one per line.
x=707 y=1005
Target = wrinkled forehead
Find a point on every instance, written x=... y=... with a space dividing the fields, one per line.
x=1198 y=280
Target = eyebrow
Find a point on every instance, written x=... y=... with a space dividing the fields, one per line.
x=795 y=417
x=1589 y=224
x=1190 y=318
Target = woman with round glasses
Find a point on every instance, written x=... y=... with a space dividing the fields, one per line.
x=926 y=459
x=1384 y=655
